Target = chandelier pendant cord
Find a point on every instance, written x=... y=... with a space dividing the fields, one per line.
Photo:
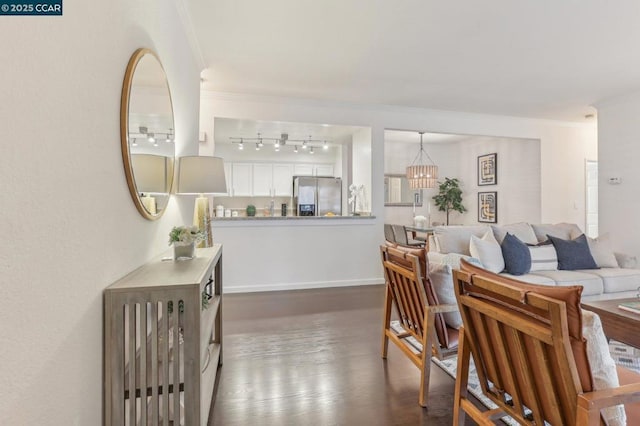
x=418 y=159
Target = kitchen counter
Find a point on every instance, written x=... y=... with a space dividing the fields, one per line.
x=216 y=219
x=248 y=221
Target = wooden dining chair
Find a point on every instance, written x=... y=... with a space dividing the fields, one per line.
x=421 y=331
x=524 y=355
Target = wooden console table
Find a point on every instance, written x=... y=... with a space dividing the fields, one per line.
x=163 y=341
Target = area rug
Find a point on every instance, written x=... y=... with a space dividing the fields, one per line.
x=622 y=354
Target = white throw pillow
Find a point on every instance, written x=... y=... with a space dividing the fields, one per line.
x=488 y=251
x=543 y=258
x=455 y=239
x=601 y=251
x=603 y=368
x=566 y=231
x=522 y=230
x=442 y=283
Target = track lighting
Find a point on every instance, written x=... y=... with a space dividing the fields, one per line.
x=282 y=142
x=311 y=150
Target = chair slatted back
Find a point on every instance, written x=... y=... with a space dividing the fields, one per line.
x=521 y=349
x=408 y=293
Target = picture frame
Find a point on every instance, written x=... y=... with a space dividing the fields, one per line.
x=488 y=169
x=488 y=207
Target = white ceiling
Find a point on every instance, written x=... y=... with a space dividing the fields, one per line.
x=544 y=58
x=225 y=128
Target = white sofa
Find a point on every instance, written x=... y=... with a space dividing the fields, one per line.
x=615 y=278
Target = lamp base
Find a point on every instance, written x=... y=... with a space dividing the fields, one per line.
x=149 y=204
x=202 y=219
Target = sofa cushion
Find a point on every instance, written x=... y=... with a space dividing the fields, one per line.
x=543 y=257
x=488 y=251
x=531 y=278
x=626 y=260
x=517 y=258
x=603 y=368
x=573 y=254
x=522 y=230
x=601 y=251
x=455 y=239
x=592 y=283
x=566 y=231
x=571 y=296
x=617 y=279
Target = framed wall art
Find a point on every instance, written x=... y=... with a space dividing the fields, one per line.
x=488 y=169
x=488 y=207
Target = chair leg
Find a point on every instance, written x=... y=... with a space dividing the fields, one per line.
x=462 y=380
x=386 y=321
x=427 y=345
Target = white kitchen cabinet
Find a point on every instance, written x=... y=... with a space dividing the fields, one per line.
x=282 y=180
x=303 y=169
x=323 y=170
x=307 y=169
x=263 y=180
x=242 y=179
x=228 y=177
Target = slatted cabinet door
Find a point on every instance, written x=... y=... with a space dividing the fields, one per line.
x=163 y=343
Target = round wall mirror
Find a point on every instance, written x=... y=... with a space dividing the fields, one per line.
x=147 y=133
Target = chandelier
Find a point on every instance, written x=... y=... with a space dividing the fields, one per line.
x=420 y=174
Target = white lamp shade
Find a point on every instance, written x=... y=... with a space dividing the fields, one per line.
x=150 y=173
x=201 y=175
x=422 y=176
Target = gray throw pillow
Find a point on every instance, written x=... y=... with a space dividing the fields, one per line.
x=517 y=257
x=573 y=254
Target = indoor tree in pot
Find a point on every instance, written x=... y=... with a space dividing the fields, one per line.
x=449 y=196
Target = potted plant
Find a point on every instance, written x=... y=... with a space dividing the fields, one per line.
x=449 y=197
x=184 y=239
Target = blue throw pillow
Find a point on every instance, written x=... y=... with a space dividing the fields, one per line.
x=517 y=257
x=573 y=254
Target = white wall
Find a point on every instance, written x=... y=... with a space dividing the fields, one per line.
x=69 y=224
x=361 y=167
x=518 y=178
x=618 y=153
x=560 y=143
x=398 y=155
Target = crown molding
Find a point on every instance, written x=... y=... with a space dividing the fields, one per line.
x=383 y=108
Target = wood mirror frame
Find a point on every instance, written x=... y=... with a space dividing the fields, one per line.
x=404 y=195
x=146 y=115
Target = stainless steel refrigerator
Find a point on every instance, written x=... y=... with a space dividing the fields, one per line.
x=317 y=196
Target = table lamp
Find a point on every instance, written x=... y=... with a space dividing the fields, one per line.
x=201 y=175
x=151 y=177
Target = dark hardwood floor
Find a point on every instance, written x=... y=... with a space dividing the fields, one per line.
x=312 y=357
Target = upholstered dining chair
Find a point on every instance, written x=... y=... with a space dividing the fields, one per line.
x=420 y=332
x=529 y=353
x=400 y=234
x=388 y=233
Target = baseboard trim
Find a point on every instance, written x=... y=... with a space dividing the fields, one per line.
x=231 y=288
